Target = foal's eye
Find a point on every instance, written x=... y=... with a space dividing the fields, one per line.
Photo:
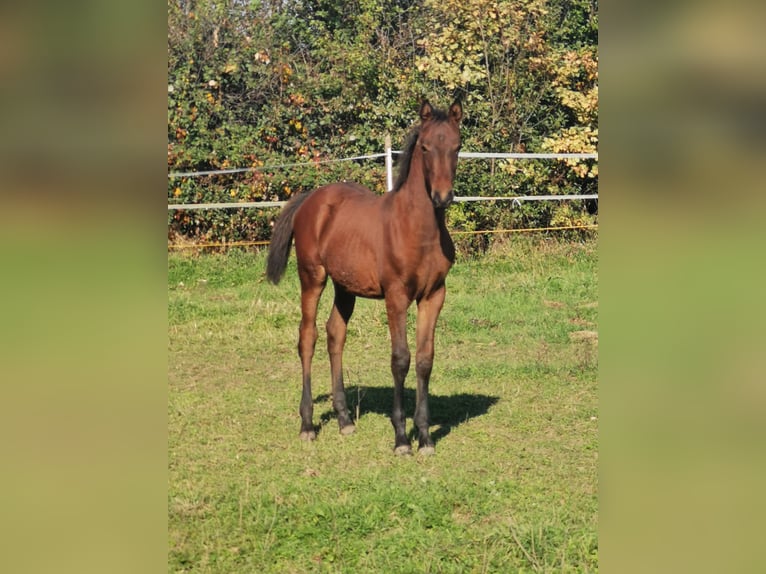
x=425 y=148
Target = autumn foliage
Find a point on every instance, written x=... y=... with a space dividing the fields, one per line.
x=294 y=83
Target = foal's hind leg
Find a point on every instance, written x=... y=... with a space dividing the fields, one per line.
x=312 y=284
x=336 y=337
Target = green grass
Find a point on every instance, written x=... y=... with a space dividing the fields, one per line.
x=512 y=487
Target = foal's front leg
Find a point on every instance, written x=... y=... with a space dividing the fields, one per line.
x=428 y=311
x=396 y=309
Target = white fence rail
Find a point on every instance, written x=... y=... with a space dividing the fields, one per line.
x=516 y=200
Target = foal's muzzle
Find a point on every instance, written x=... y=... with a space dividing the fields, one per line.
x=442 y=200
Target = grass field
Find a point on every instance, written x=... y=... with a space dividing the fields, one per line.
x=513 y=484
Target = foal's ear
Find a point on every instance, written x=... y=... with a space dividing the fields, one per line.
x=426 y=111
x=456 y=112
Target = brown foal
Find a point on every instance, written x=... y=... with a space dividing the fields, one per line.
x=394 y=247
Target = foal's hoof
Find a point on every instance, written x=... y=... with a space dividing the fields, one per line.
x=308 y=435
x=427 y=450
x=347 y=430
x=403 y=450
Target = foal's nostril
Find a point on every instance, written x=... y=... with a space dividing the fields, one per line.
x=443 y=199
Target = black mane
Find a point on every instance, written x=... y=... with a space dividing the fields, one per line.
x=404 y=160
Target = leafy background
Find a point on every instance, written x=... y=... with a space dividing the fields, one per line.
x=264 y=83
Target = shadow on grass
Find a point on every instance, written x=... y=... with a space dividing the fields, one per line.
x=446 y=412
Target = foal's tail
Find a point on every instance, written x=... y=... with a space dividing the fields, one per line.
x=281 y=239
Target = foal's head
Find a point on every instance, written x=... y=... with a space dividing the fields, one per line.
x=439 y=141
